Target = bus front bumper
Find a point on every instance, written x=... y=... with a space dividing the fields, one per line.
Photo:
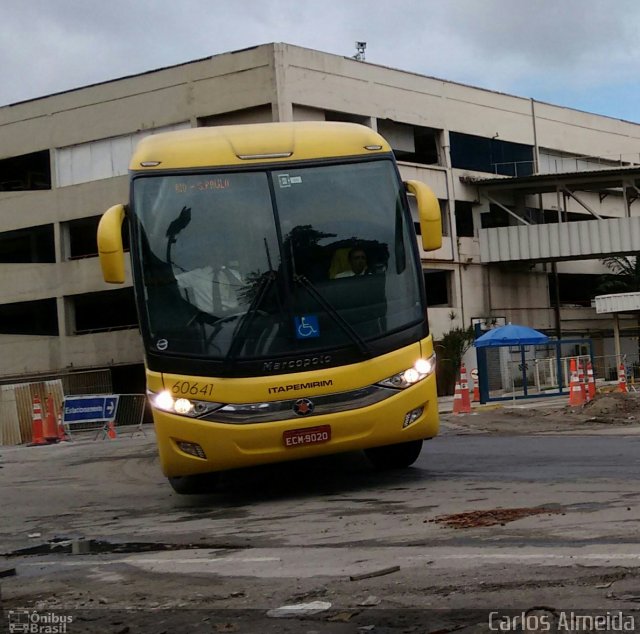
x=190 y=446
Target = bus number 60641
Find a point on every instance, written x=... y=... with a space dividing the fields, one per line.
x=190 y=388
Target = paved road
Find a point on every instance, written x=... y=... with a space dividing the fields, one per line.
x=534 y=458
x=328 y=530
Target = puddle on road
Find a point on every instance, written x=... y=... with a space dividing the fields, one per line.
x=98 y=547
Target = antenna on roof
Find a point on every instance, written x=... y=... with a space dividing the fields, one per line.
x=360 y=49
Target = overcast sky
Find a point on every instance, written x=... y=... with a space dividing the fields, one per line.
x=583 y=54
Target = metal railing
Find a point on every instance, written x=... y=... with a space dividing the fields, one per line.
x=560 y=164
x=542 y=373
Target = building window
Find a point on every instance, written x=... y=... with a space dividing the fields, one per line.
x=555 y=162
x=438 y=286
x=105 y=158
x=496 y=217
x=482 y=154
x=411 y=143
x=464 y=219
x=106 y=310
x=26 y=172
x=83 y=242
x=574 y=289
x=550 y=216
x=39 y=317
x=30 y=245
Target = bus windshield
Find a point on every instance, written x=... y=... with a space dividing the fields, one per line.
x=253 y=264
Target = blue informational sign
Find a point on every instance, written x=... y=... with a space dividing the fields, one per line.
x=89 y=409
x=307 y=326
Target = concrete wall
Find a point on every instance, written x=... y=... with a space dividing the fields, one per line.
x=24 y=355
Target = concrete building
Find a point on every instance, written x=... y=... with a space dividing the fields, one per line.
x=504 y=168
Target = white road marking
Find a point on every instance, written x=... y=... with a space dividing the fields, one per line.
x=301 y=562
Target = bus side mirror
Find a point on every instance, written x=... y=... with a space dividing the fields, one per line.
x=110 y=245
x=429 y=214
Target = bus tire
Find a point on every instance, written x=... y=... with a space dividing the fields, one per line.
x=394 y=456
x=200 y=483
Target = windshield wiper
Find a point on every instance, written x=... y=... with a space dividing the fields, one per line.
x=334 y=314
x=237 y=336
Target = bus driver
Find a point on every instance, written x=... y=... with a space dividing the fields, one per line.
x=357 y=262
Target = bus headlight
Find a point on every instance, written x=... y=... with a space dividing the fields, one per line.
x=182 y=406
x=420 y=370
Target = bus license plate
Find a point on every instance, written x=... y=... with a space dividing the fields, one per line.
x=308 y=436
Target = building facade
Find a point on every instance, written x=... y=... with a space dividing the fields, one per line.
x=64 y=160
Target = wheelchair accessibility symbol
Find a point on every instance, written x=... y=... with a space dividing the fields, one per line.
x=307 y=326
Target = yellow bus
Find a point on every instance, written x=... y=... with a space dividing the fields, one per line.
x=280 y=296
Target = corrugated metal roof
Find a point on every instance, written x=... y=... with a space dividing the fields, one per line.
x=603 y=178
x=618 y=303
x=561 y=241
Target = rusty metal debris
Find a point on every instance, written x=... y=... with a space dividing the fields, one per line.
x=492 y=517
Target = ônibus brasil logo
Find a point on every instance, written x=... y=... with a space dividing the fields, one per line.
x=34 y=622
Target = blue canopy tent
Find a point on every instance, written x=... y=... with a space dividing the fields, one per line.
x=509 y=335
x=513 y=335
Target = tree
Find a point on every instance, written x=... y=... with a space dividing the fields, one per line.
x=450 y=350
x=624 y=278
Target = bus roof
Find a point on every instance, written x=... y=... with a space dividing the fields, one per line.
x=255 y=143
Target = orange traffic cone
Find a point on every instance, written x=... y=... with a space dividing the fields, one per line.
x=461 y=402
x=50 y=432
x=622 y=378
x=62 y=432
x=37 y=437
x=581 y=380
x=111 y=431
x=591 y=382
x=576 y=397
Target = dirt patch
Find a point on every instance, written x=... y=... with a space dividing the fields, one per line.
x=493 y=517
x=614 y=404
x=605 y=410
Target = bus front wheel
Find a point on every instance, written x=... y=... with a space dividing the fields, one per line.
x=194 y=484
x=394 y=456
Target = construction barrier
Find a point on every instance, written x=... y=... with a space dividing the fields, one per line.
x=576 y=394
x=17 y=400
